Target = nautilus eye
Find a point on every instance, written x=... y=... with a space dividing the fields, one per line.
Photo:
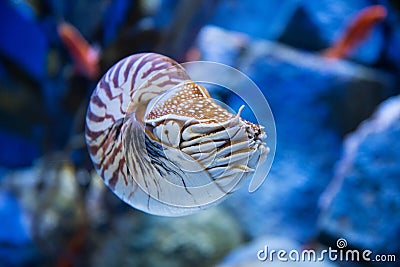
x=162 y=143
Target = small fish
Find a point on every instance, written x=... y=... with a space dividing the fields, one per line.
x=358 y=30
x=85 y=57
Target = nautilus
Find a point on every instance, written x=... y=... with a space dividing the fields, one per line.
x=162 y=144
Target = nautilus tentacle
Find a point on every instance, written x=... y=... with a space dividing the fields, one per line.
x=162 y=144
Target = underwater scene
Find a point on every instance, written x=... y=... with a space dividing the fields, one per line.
x=140 y=132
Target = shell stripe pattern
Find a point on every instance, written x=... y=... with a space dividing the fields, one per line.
x=108 y=106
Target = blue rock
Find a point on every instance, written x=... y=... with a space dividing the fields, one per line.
x=16 y=32
x=310 y=25
x=16 y=247
x=19 y=152
x=227 y=52
x=363 y=202
x=142 y=240
x=23 y=8
x=259 y=19
x=12 y=229
x=313 y=102
x=308 y=97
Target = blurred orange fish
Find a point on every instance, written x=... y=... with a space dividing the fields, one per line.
x=358 y=30
x=85 y=57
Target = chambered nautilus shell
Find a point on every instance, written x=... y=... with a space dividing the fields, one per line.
x=162 y=144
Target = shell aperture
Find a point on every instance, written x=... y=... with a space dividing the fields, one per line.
x=162 y=144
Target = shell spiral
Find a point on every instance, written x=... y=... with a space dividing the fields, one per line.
x=162 y=144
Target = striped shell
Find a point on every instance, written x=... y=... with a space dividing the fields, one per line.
x=162 y=144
